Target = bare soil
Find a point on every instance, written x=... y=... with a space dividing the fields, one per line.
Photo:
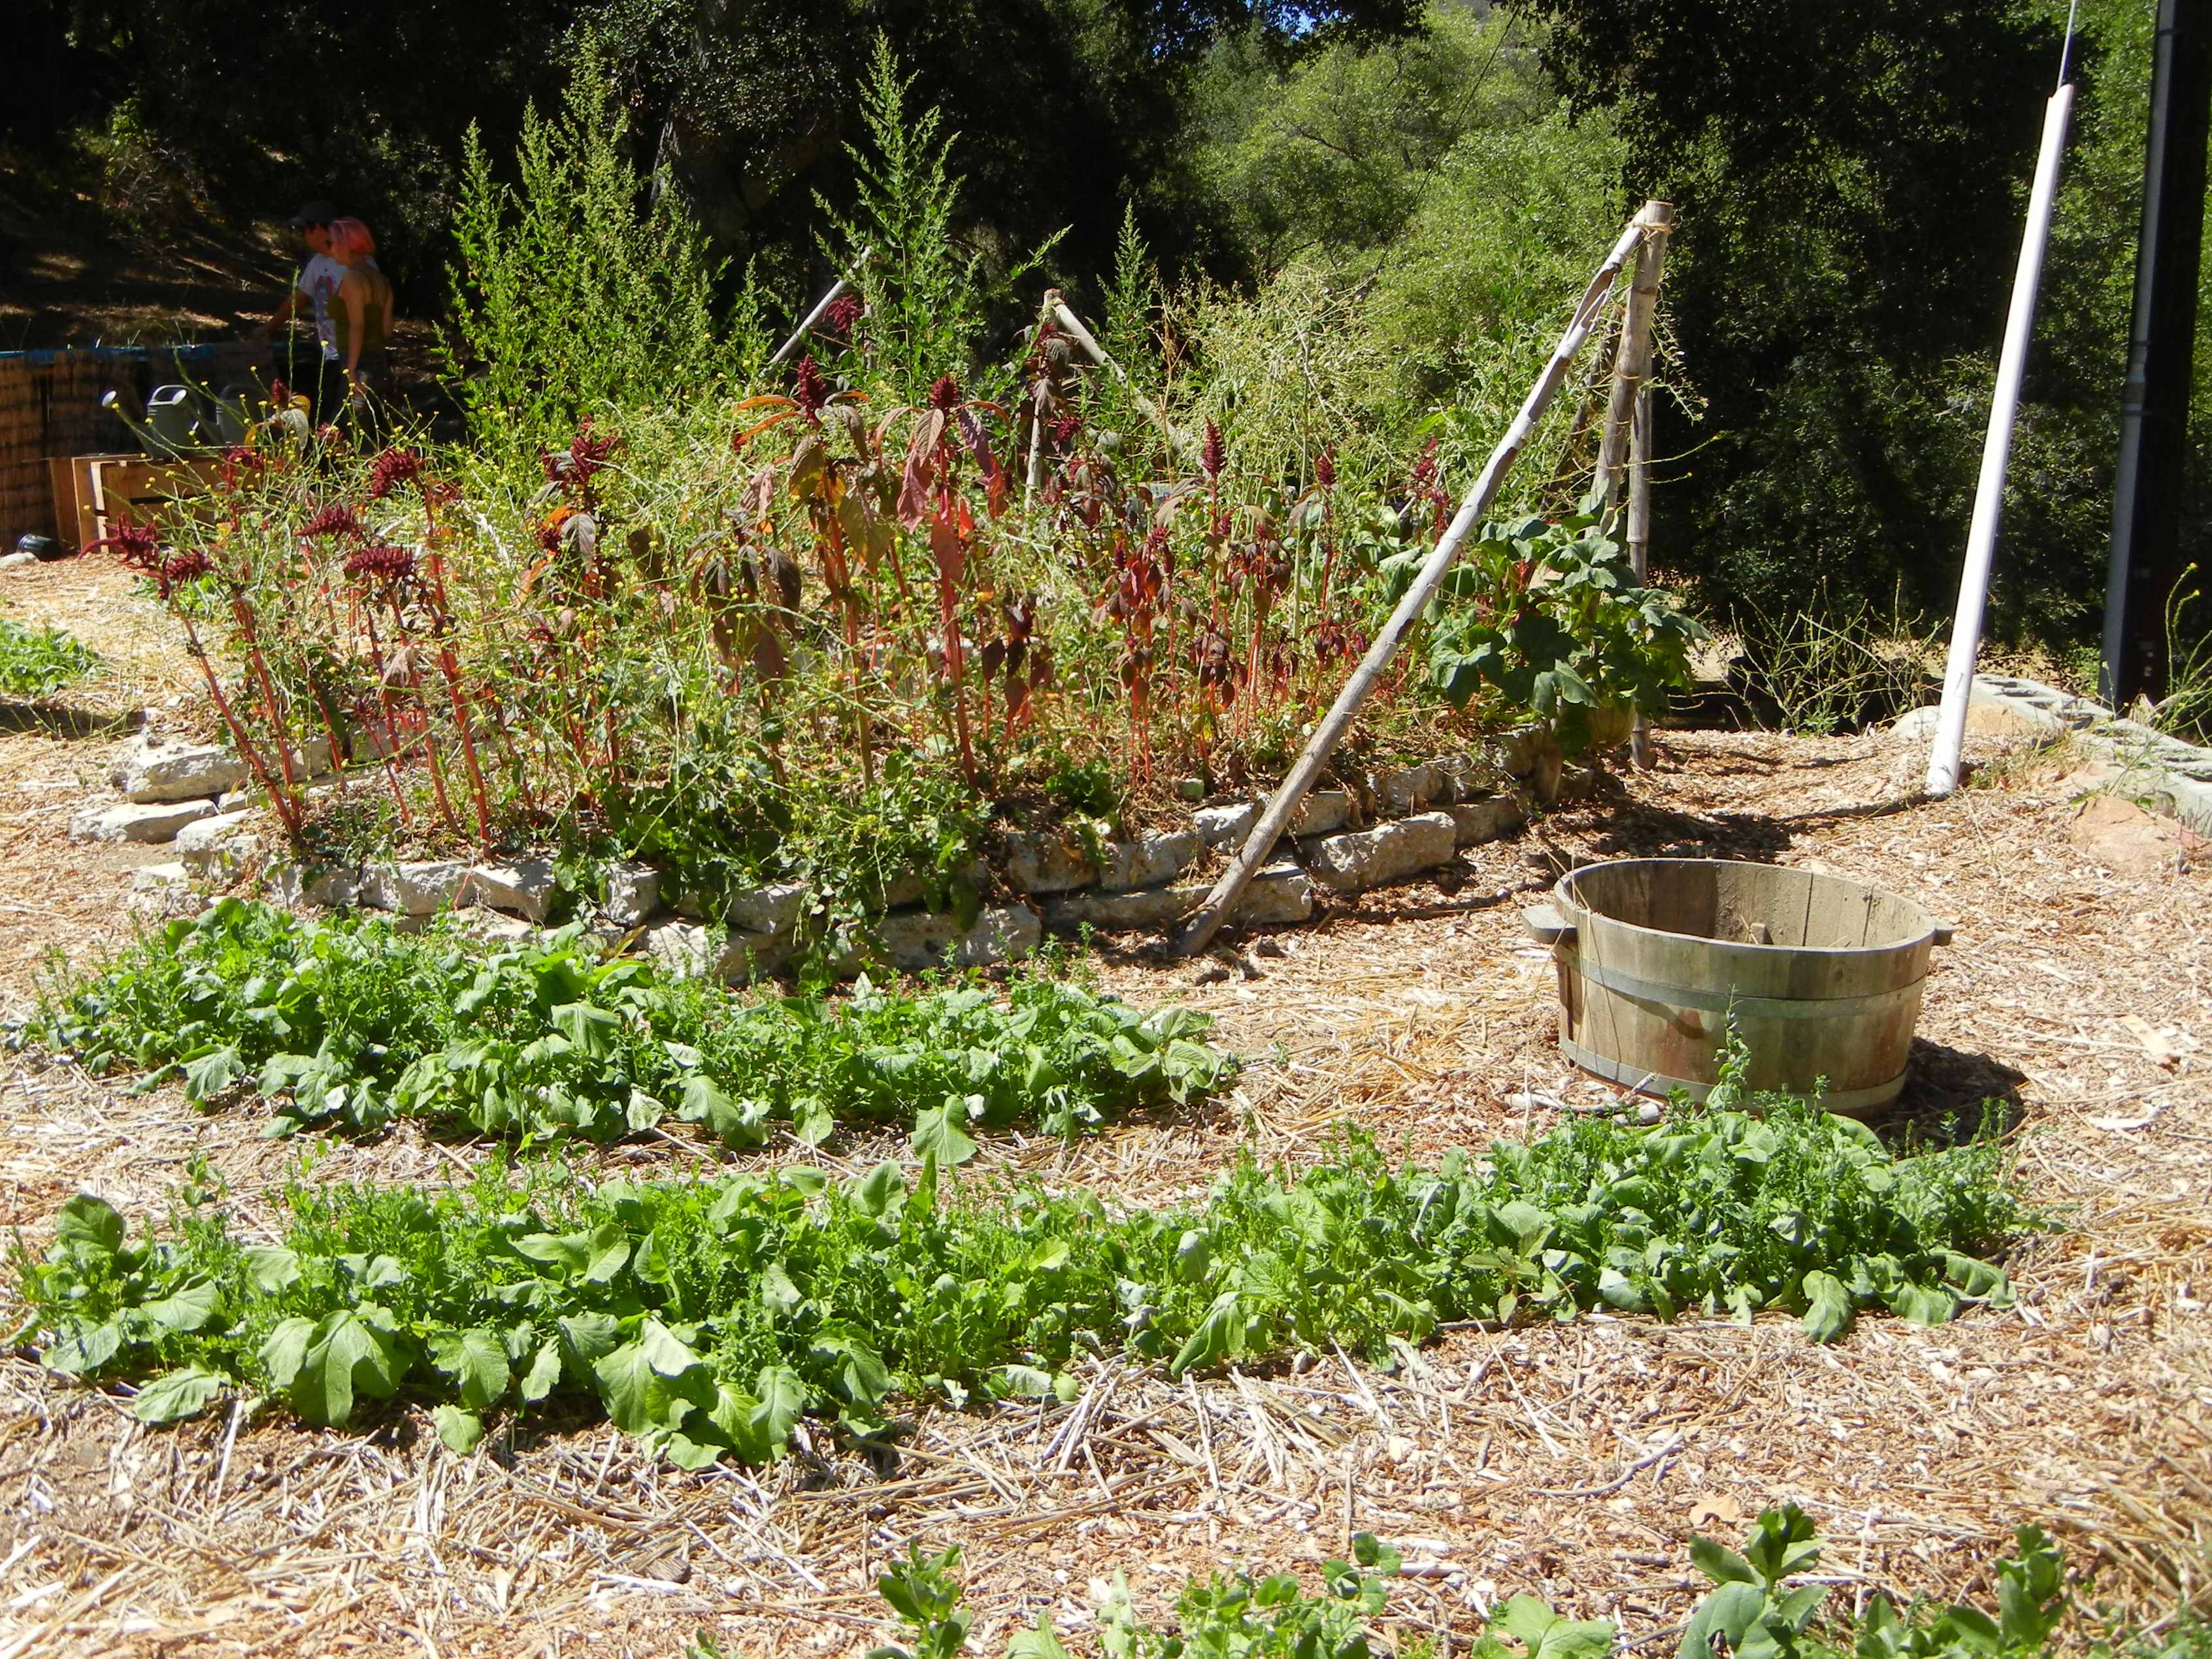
x=1573 y=1462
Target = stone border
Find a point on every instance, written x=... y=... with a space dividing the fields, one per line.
x=1388 y=826
x=2168 y=774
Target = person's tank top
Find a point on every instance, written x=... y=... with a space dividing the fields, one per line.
x=374 y=336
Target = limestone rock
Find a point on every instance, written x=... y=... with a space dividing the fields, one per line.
x=221 y=844
x=633 y=893
x=773 y=910
x=917 y=940
x=1278 y=895
x=1226 y=826
x=148 y=821
x=1406 y=789
x=417 y=889
x=1362 y=859
x=1516 y=752
x=912 y=887
x=1156 y=857
x=332 y=886
x=157 y=769
x=1144 y=910
x=1047 y=861
x=521 y=887
x=1322 y=812
x=1485 y=820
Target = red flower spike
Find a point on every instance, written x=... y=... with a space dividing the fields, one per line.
x=138 y=546
x=383 y=563
x=810 y=391
x=1215 y=453
x=182 y=568
x=1325 y=468
x=845 y=311
x=945 y=395
x=391 y=469
x=336 y=519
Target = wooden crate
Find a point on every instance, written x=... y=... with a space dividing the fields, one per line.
x=50 y=413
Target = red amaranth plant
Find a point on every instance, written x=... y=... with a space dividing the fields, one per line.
x=335 y=519
x=380 y=563
x=393 y=468
x=846 y=310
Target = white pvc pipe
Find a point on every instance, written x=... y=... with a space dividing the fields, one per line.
x=1997 y=450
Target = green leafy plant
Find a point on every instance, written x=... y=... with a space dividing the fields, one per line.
x=37 y=662
x=349 y=1023
x=708 y=1314
x=1756 y=1612
x=1549 y=614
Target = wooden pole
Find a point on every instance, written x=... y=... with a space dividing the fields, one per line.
x=806 y=324
x=1260 y=843
x=1035 y=475
x=1639 y=540
x=1631 y=365
x=1628 y=414
x=1074 y=324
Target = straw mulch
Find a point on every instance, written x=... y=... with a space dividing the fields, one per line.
x=1573 y=1462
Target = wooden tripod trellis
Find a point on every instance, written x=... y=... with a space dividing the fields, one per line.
x=1624 y=447
x=1627 y=406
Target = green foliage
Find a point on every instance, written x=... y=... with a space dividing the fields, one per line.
x=1417 y=215
x=574 y=294
x=1550 y=616
x=349 y=1023
x=1757 y=1612
x=37 y=662
x=927 y=295
x=706 y=1314
x=1839 y=282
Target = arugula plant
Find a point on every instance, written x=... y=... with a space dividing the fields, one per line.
x=37 y=662
x=707 y=1314
x=347 y=1023
x=1753 y=1614
x=1756 y=1612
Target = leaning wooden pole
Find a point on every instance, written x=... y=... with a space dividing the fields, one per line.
x=1074 y=324
x=1260 y=843
x=806 y=323
x=1628 y=413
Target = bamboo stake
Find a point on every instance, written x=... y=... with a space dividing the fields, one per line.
x=1074 y=324
x=806 y=324
x=1035 y=475
x=1285 y=802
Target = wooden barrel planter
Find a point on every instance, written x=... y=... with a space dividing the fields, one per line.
x=1820 y=976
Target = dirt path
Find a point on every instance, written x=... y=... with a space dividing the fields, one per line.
x=1574 y=1461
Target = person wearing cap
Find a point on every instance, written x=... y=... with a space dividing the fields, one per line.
x=316 y=284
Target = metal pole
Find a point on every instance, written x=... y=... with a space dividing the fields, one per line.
x=2146 y=485
x=1338 y=721
x=1997 y=450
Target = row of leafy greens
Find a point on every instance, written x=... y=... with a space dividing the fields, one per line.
x=709 y=1315
x=348 y=1023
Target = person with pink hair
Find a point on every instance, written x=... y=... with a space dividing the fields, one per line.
x=361 y=314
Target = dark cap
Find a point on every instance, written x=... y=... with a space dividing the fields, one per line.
x=316 y=212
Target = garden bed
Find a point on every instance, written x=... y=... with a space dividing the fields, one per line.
x=1570 y=1461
